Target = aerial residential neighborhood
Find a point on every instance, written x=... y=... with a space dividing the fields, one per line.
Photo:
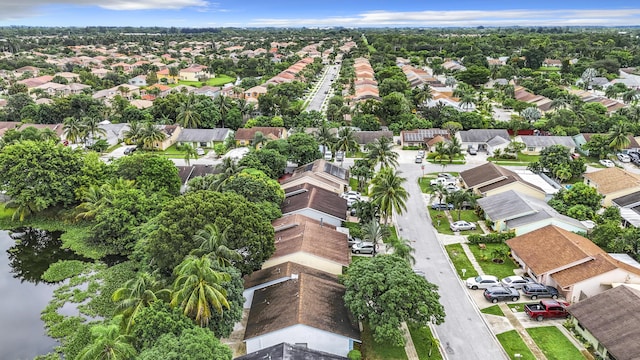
x=390 y=184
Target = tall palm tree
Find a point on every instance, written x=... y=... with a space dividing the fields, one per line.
x=197 y=289
x=213 y=243
x=187 y=116
x=92 y=126
x=325 y=137
x=388 y=192
x=258 y=139
x=347 y=140
x=136 y=294
x=561 y=102
x=460 y=199
x=189 y=152
x=108 y=344
x=381 y=152
x=454 y=149
x=224 y=105
x=132 y=134
x=467 y=101
x=150 y=134
x=619 y=136
x=630 y=96
x=402 y=248
x=373 y=232
x=73 y=129
x=441 y=151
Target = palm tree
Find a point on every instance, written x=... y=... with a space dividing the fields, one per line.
x=561 y=102
x=467 y=101
x=563 y=172
x=325 y=137
x=92 y=201
x=450 y=81
x=531 y=114
x=224 y=105
x=228 y=167
x=92 y=127
x=402 y=248
x=373 y=232
x=347 y=140
x=198 y=183
x=197 y=289
x=619 y=136
x=460 y=199
x=380 y=152
x=132 y=135
x=388 y=192
x=48 y=134
x=136 y=294
x=258 y=139
x=440 y=151
x=189 y=152
x=187 y=116
x=74 y=130
x=630 y=96
x=611 y=92
x=150 y=134
x=108 y=344
x=213 y=243
x=454 y=149
x=174 y=72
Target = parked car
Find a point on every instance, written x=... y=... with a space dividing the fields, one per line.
x=516 y=281
x=451 y=188
x=462 y=225
x=623 y=157
x=350 y=194
x=418 y=160
x=442 y=181
x=547 y=309
x=607 y=163
x=482 y=282
x=352 y=241
x=339 y=155
x=497 y=293
x=442 y=206
x=472 y=151
x=446 y=176
x=364 y=247
x=130 y=150
x=535 y=291
x=420 y=153
x=200 y=151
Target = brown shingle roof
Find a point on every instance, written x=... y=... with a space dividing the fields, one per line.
x=613 y=179
x=249 y=134
x=315 y=198
x=308 y=300
x=490 y=176
x=613 y=317
x=298 y=233
x=534 y=248
x=602 y=263
x=283 y=270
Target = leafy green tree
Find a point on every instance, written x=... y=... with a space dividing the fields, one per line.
x=381 y=152
x=213 y=242
x=557 y=156
x=402 y=248
x=303 y=148
x=269 y=161
x=108 y=344
x=579 y=194
x=598 y=145
x=136 y=294
x=168 y=238
x=198 y=289
x=461 y=199
x=384 y=291
x=388 y=192
x=256 y=186
x=156 y=320
x=191 y=344
x=151 y=173
x=366 y=122
x=474 y=75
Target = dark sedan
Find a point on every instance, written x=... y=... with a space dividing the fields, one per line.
x=497 y=293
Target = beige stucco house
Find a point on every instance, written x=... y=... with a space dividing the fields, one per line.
x=613 y=183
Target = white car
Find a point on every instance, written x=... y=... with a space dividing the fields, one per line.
x=200 y=151
x=623 y=157
x=351 y=194
x=462 y=225
x=516 y=281
x=482 y=282
x=607 y=163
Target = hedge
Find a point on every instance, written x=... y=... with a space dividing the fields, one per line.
x=493 y=238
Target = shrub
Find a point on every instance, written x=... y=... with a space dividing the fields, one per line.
x=494 y=238
x=354 y=355
x=414 y=147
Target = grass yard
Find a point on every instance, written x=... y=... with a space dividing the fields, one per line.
x=216 y=81
x=423 y=182
x=517 y=307
x=443 y=228
x=439 y=221
x=484 y=258
x=513 y=344
x=422 y=339
x=554 y=344
x=460 y=261
x=493 y=310
x=374 y=351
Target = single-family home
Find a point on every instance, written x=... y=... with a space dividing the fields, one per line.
x=206 y=138
x=140 y=80
x=209 y=91
x=609 y=322
x=252 y=94
x=195 y=72
x=320 y=173
x=535 y=144
x=366 y=137
x=513 y=211
x=308 y=311
x=285 y=351
x=420 y=137
x=629 y=206
x=315 y=202
x=552 y=63
x=490 y=179
x=189 y=172
x=484 y=139
x=613 y=183
x=171 y=133
x=573 y=264
x=583 y=138
x=244 y=136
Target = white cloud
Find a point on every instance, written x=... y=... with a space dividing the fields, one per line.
x=522 y=17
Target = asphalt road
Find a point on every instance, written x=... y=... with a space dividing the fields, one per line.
x=464 y=335
x=324 y=88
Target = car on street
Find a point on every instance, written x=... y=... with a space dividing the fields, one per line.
x=482 y=282
x=535 y=291
x=420 y=153
x=462 y=226
x=472 y=151
x=623 y=157
x=418 y=160
x=516 y=281
x=442 y=206
x=364 y=247
x=607 y=163
x=497 y=293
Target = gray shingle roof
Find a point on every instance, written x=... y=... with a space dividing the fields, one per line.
x=506 y=205
x=539 y=141
x=482 y=135
x=203 y=135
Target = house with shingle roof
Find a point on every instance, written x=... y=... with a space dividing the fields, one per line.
x=315 y=202
x=483 y=139
x=320 y=173
x=306 y=310
x=365 y=137
x=420 y=137
x=244 y=136
x=610 y=322
x=535 y=144
x=206 y=138
x=512 y=211
x=490 y=179
x=569 y=262
x=612 y=183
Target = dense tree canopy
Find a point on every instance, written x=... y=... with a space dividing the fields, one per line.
x=152 y=173
x=191 y=344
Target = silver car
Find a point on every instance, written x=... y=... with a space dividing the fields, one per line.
x=363 y=248
x=516 y=282
x=462 y=225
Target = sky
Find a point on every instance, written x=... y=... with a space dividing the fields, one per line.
x=318 y=13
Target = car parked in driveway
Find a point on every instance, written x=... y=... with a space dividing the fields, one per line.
x=442 y=206
x=351 y=194
x=535 y=291
x=623 y=157
x=497 y=293
x=482 y=282
x=418 y=160
x=516 y=281
x=364 y=247
x=607 y=163
x=462 y=225
x=200 y=151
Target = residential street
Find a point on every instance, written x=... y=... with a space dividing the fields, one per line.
x=464 y=334
x=323 y=88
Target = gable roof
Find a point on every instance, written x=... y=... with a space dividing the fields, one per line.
x=627 y=200
x=316 y=198
x=505 y=206
x=279 y=271
x=286 y=351
x=490 y=176
x=612 y=317
x=482 y=135
x=307 y=300
x=202 y=135
x=612 y=179
x=249 y=134
x=544 y=141
x=365 y=137
x=322 y=167
x=296 y=233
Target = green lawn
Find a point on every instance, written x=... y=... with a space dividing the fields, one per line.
x=354 y=228
x=554 y=344
x=484 y=258
x=421 y=337
x=513 y=344
x=460 y=261
x=518 y=307
x=393 y=234
x=216 y=81
x=424 y=184
x=374 y=351
x=443 y=227
x=493 y=310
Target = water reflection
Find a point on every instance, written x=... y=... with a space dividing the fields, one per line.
x=34 y=251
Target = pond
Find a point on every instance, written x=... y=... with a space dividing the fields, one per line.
x=26 y=254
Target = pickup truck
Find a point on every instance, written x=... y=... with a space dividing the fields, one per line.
x=547 y=309
x=442 y=181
